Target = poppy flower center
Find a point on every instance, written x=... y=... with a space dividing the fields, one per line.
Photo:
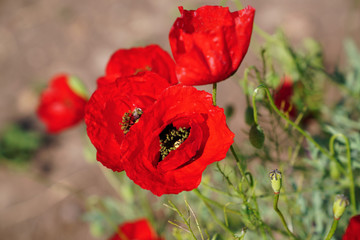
x=130 y=118
x=171 y=139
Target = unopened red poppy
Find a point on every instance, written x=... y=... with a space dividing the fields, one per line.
x=283 y=95
x=62 y=103
x=353 y=230
x=137 y=230
x=114 y=108
x=178 y=137
x=128 y=62
x=208 y=44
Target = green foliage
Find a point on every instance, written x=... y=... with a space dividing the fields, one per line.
x=103 y=215
x=18 y=144
x=235 y=199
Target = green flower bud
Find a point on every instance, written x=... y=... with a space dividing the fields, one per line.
x=249 y=116
x=340 y=203
x=276 y=181
x=256 y=136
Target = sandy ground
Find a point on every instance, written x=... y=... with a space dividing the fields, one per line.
x=41 y=38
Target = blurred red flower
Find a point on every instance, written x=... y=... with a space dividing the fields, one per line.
x=62 y=103
x=137 y=230
x=353 y=230
x=128 y=62
x=114 y=108
x=283 y=95
x=179 y=135
x=208 y=44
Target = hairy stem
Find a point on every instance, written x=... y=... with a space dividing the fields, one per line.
x=277 y=210
x=332 y=229
x=349 y=166
x=214 y=93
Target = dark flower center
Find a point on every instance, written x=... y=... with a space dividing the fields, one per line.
x=130 y=118
x=171 y=139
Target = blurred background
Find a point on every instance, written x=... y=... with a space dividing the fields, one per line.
x=43 y=180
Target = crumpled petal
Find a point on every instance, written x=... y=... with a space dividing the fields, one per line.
x=129 y=62
x=107 y=106
x=181 y=169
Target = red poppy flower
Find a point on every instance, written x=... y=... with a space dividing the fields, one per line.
x=128 y=62
x=208 y=44
x=353 y=229
x=138 y=230
x=283 y=95
x=179 y=135
x=62 y=104
x=114 y=108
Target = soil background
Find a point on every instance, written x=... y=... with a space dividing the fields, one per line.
x=40 y=38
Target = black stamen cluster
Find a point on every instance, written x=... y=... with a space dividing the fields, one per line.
x=171 y=138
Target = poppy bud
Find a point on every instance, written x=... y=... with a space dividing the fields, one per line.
x=276 y=181
x=340 y=203
x=256 y=136
x=249 y=116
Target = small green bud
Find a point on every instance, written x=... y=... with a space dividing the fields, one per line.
x=256 y=136
x=340 y=203
x=249 y=116
x=276 y=181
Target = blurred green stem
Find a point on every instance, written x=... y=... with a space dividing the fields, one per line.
x=239 y=165
x=217 y=220
x=185 y=219
x=332 y=229
x=277 y=210
x=282 y=115
x=350 y=172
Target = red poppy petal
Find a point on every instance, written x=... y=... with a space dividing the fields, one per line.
x=129 y=62
x=208 y=44
x=182 y=168
x=107 y=106
x=60 y=107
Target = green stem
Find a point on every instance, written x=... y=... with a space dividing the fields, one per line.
x=332 y=229
x=262 y=225
x=277 y=210
x=215 y=203
x=282 y=115
x=350 y=172
x=173 y=206
x=217 y=220
x=214 y=93
x=263 y=34
x=239 y=165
